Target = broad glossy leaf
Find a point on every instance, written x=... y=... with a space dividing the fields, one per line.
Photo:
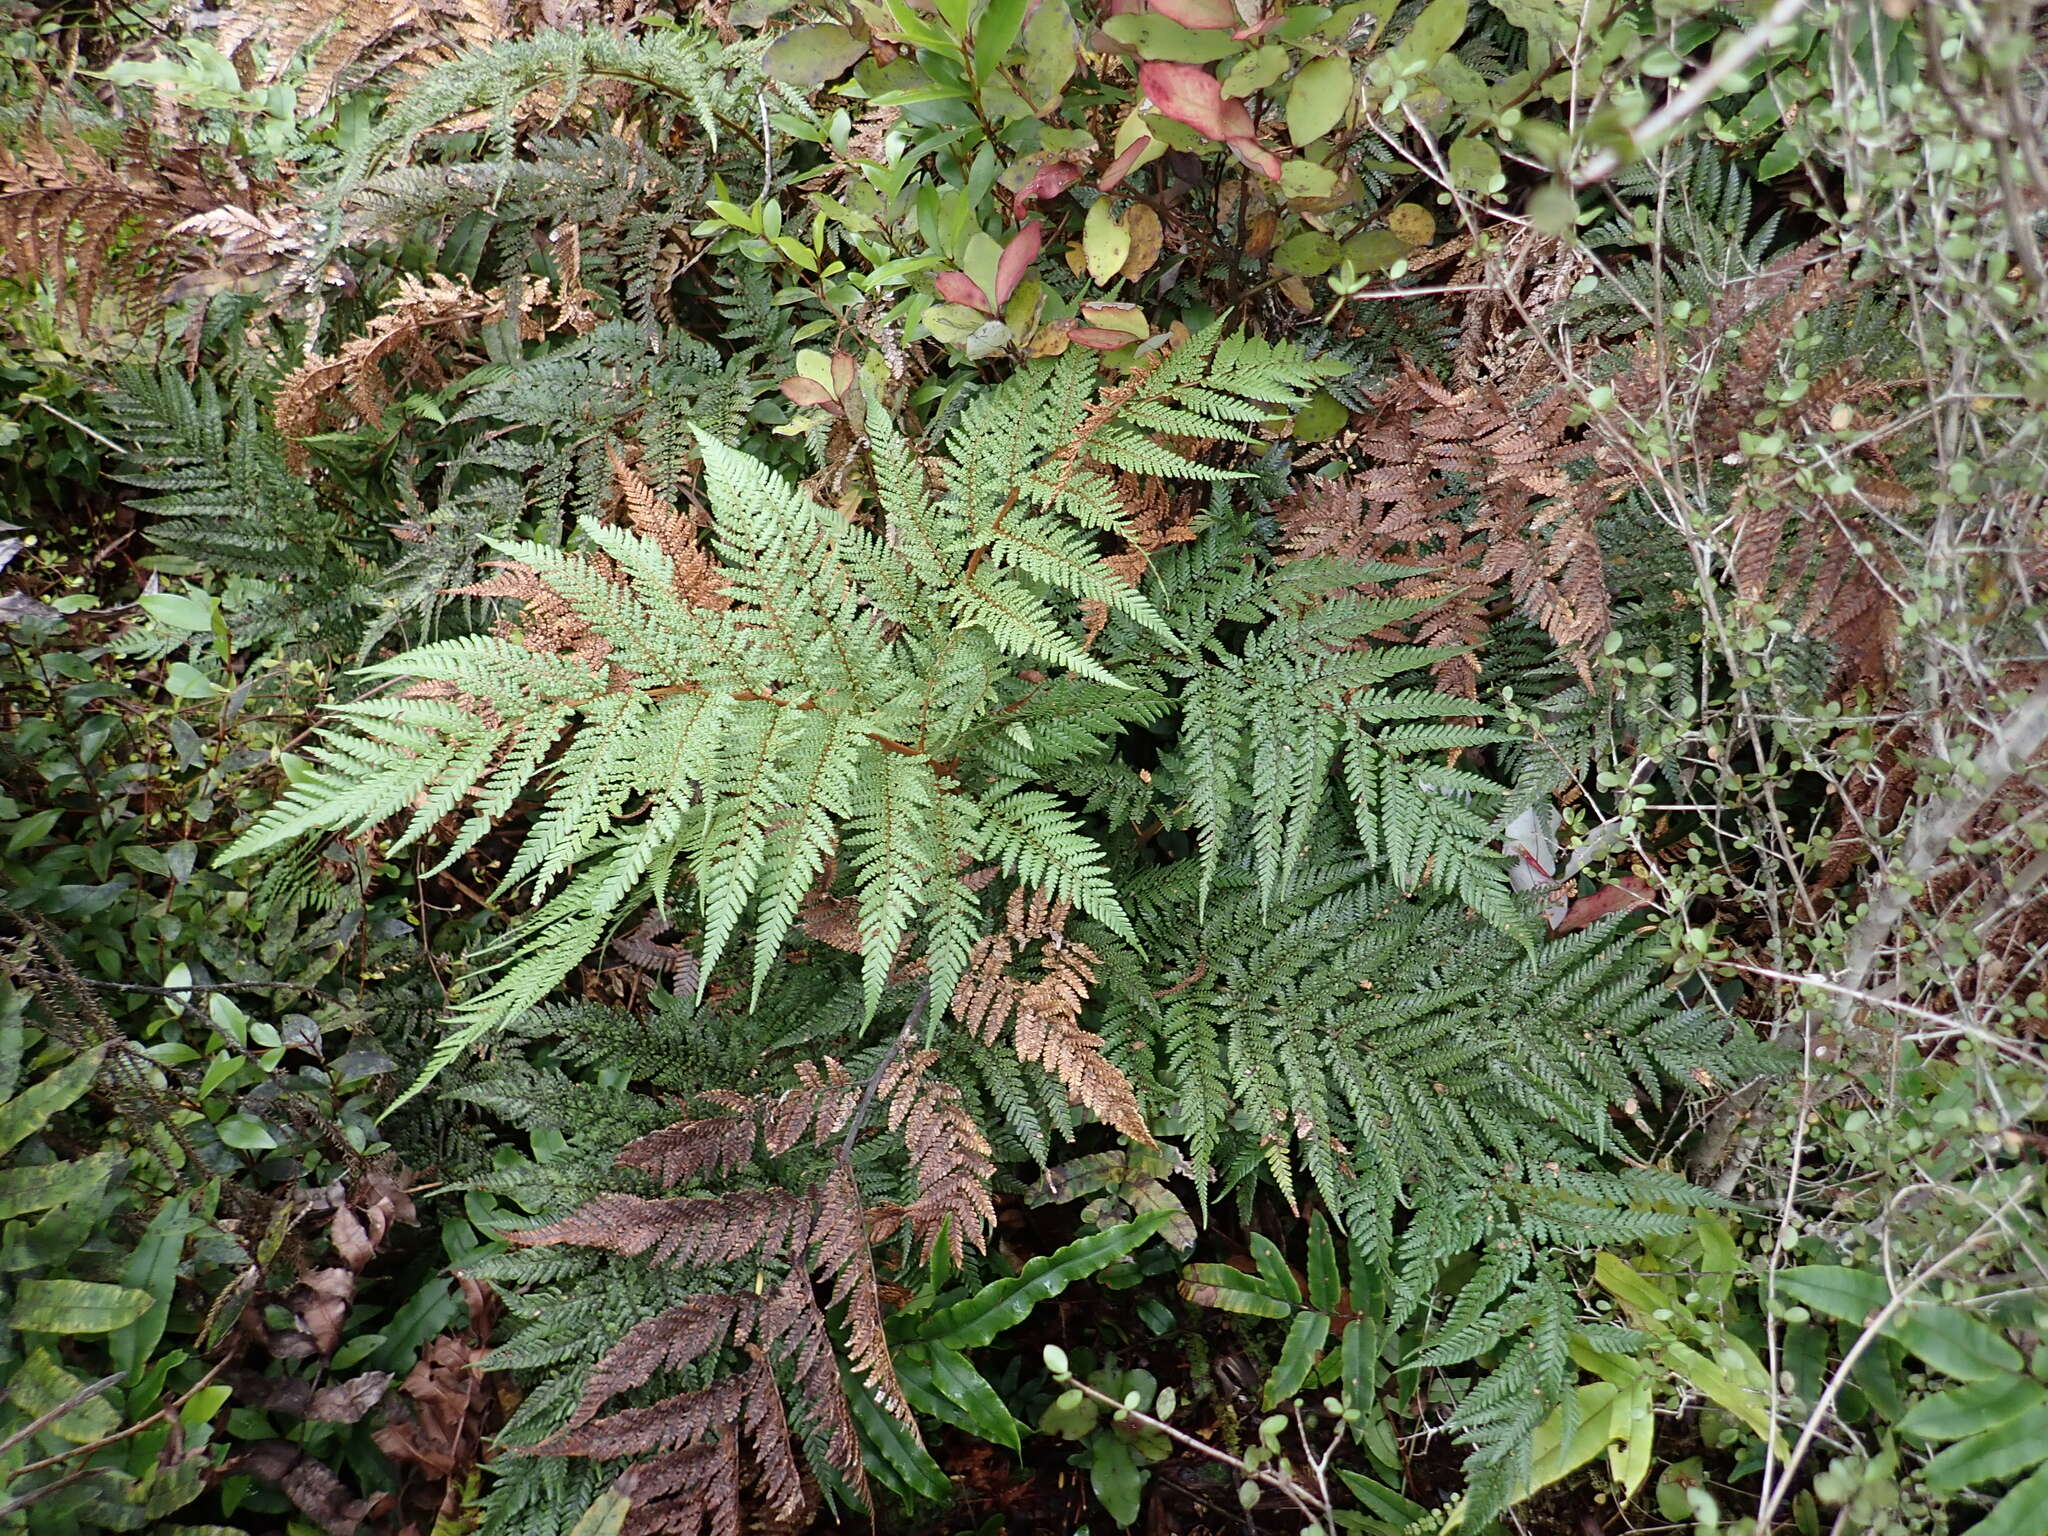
x=1310 y=253
x=1104 y=242
x=39 y=1384
x=1202 y=14
x=1955 y=1343
x=1052 y=51
x=810 y=55
x=995 y=31
x=1853 y=1294
x=1474 y=165
x=1255 y=71
x=75 y=1306
x=1155 y=37
x=1189 y=94
x=1274 y=1276
x=153 y=1269
x=1116 y=1478
x=39 y=1186
x=1971 y=1410
x=2022 y=1512
x=30 y=1110
x=605 y=1517
x=1436 y=31
x=1319 y=98
x=1003 y=1304
x=1230 y=1289
x=1306 y=179
x=943 y=1383
x=1325 y=1284
x=1298 y=1356
x=892 y=1453
x=1994 y=1455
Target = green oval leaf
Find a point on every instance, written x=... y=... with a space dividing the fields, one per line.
x=809 y=56
x=1319 y=98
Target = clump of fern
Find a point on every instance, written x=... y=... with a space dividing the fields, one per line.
x=877 y=686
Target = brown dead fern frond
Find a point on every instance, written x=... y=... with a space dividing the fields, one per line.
x=709 y=1448
x=1502 y=459
x=1383 y=516
x=698 y=579
x=1043 y=1009
x=404 y=347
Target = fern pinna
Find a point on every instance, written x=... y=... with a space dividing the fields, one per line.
x=850 y=683
x=1438 y=1087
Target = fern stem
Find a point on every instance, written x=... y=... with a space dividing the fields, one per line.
x=867 y=1094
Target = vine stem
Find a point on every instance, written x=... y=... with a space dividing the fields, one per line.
x=1317 y=1510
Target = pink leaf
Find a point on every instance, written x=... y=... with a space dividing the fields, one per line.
x=959 y=288
x=1017 y=258
x=1099 y=339
x=1203 y=15
x=844 y=372
x=1051 y=180
x=1120 y=167
x=1189 y=94
x=1624 y=896
x=804 y=391
x=1257 y=156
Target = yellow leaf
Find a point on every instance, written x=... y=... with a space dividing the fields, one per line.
x=1104 y=242
x=1146 y=234
x=1411 y=224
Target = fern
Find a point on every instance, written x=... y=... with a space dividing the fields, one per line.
x=811 y=687
x=1440 y=1089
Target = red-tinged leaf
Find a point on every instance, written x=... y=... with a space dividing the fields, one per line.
x=1625 y=895
x=1189 y=94
x=1100 y=340
x=1257 y=156
x=1203 y=15
x=1017 y=258
x=806 y=392
x=1049 y=181
x=959 y=288
x=844 y=371
x=1120 y=167
x=1109 y=315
